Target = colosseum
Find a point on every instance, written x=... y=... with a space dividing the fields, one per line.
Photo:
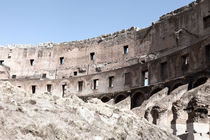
x=135 y=63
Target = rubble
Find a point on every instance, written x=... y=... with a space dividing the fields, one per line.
x=43 y=116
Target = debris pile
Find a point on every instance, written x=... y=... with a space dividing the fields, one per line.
x=43 y=116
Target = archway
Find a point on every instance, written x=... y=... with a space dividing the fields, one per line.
x=175 y=86
x=119 y=98
x=155 y=114
x=155 y=91
x=199 y=81
x=137 y=99
x=105 y=99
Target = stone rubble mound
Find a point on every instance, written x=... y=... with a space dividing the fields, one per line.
x=43 y=116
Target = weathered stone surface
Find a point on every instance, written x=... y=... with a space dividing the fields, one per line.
x=124 y=104
x=28 y=116
x=183 y=113
x=140 y=111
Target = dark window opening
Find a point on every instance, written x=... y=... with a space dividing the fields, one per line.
x=44 y=75
x=49 y=88
x=1 y=62
x=33 y=89
x=19 y=86
x=95 y=84
x=142 y=61
x=92 y=56
x=126 y=49
x=98 y=69
x=61 y=60
x=206 y=22
x=9 y=56
x=32 y=62
x=63 y=89
x=185 y=62
x=208 y=53
x=145 y=75
x=80 y=85
x=163 y=70
x=13 y=76
x=75 y=73
x=111 y=81
x=128 y=78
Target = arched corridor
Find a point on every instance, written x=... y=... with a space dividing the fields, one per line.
x=119 y=98
x=155 y=91
x=137 y=99
x=105 y=99
x=199 y=81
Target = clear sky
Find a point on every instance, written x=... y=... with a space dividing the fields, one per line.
x=38 y=21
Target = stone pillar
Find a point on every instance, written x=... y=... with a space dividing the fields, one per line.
x=178 y=124
x=198 y=122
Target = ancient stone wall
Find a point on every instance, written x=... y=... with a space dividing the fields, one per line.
x=147 y=65
x=174 y=46
x=76 y=58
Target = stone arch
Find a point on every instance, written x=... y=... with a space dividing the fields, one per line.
x=175 y=86
x=119 y=98
x=137 y=99
x=64 y=81
x=155 y=114
x=155 y=90
x=199 y=81
x=105 y=99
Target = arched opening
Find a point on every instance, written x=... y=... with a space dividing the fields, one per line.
x=155 y=91
x=119 y=98
x=137 y=99
x=176 y=86
x=200 y=81
x=105 y=99
x=155 y=114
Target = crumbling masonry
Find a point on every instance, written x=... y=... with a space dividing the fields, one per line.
x=135 y=62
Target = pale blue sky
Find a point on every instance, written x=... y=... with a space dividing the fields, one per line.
x=38 y=21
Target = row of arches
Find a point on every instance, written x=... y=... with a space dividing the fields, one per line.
x=139 y=96
x=117 y=98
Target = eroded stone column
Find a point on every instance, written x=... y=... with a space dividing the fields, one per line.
x=198 y=120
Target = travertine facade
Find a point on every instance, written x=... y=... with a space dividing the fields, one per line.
x=136 y=62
